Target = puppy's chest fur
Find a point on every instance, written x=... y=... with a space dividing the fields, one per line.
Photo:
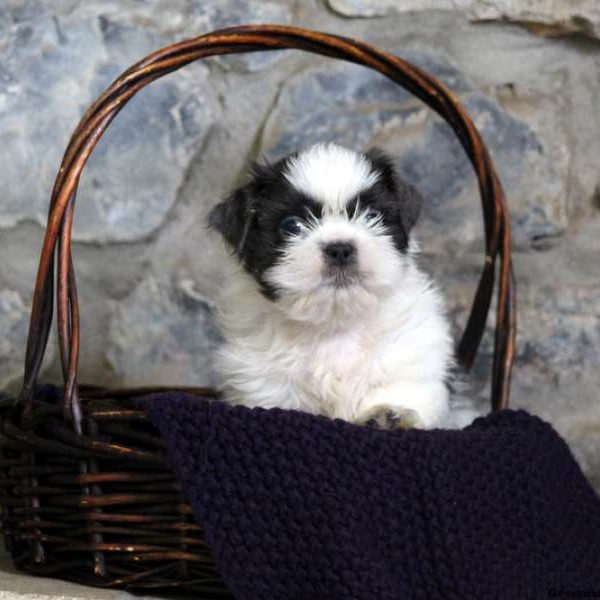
x=332 y=369
x=336 y=369
x=318 y=372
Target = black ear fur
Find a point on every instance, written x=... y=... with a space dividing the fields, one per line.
x=410 y=200
x=232 y=218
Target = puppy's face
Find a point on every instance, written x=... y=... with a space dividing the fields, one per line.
x=325 y=233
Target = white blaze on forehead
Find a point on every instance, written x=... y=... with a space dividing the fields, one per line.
x=330 y=174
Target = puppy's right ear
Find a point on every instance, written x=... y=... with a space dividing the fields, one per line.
x=233 y=218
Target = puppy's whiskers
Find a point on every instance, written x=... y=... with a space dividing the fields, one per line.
x=312 y=221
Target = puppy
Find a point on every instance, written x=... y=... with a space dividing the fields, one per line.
x=326 y=310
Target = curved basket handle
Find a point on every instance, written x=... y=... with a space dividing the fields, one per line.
x=254 y=38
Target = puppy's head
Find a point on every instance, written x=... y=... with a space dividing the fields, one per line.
x=325 y=233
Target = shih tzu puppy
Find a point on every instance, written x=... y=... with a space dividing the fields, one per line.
x=326 y=310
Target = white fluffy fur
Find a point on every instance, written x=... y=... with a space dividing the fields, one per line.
x=330 y=174
x=381 y=343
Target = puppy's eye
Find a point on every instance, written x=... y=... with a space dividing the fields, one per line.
x=373 y=215
x=292 y=226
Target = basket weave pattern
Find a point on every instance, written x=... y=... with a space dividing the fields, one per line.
x=84 y=489
x=101 y=504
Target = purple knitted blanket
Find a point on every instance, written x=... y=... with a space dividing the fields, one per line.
x=298 y=506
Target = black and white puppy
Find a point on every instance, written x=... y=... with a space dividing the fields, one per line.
x=326 y=311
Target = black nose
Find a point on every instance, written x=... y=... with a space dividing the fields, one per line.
x=340 y=254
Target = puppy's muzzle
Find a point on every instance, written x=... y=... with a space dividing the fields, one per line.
x=340 y=254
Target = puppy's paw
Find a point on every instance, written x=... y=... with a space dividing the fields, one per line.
x=386 y=417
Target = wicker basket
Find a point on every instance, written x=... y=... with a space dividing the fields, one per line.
x=85 y=491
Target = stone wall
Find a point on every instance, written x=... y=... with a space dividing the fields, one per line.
x=147 y=268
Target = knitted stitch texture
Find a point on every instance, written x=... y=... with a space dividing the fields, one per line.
x=299 y=506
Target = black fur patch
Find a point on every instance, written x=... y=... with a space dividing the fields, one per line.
x=249 y=219
x=399 y=202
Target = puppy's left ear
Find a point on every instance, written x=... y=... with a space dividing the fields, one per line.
x=233 y=218
x=410 y=200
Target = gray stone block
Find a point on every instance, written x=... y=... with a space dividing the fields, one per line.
x=14 y=318
x=161 y=334
x=547 y=17
x=53 y=69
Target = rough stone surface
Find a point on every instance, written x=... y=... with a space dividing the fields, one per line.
x=348 y=104
x=147 y=270
x=57 y=66
x=163 y=334
x=192 y=17
x=14 y=318
x=545 y=17
x=381 y=8
x=57 y=61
